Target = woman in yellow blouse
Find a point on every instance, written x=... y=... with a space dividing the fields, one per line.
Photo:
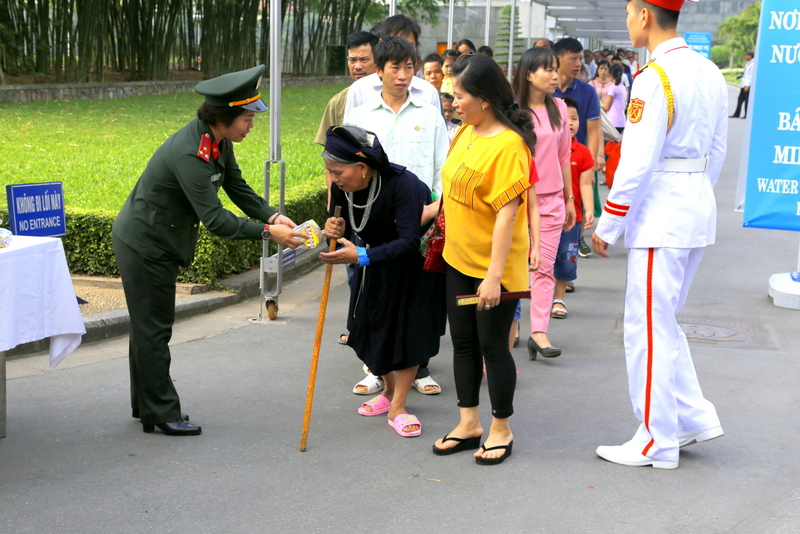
x=485 y=179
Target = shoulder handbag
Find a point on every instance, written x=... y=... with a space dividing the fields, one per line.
x=610 y=133
x=432 y=245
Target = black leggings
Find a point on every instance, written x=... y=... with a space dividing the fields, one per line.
x=479 y=334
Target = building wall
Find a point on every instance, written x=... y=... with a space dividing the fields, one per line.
x=469 y=20
x=707 y=15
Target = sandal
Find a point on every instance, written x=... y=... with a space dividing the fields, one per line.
x=379 y=405
x=402 y=421
x=463 y=444
x=427 y=382
x=343 y=338
x=373 y=383
x=494 y=461
x=570 y=287
x=556 y=313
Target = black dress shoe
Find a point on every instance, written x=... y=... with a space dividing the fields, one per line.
x=178 y=427
x=547 y=352
x=184 y=416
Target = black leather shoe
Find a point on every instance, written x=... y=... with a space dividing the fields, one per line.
x=547 y=352
x=178 y=427
x=184 y=416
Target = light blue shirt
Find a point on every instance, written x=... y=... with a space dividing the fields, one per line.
x=415 y=137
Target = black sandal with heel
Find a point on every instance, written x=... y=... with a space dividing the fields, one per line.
x=464 y=444
x=494 y=461
x=547 y=352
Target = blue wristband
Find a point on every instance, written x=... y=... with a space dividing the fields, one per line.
x=363 y=259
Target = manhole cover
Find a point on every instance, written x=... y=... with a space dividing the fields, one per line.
x=720 y=333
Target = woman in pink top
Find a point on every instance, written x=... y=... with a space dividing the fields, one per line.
x=602 y=79
x=534 y=83
x=616 y=98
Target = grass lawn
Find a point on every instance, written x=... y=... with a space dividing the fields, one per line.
x=98 y=148
x=733 y=75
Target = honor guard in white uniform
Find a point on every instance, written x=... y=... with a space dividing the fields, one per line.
x=663 y=199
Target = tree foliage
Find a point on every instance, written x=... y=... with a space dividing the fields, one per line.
x=501 y=41
x=80 y=40
x=739 y=31
x=721 y=56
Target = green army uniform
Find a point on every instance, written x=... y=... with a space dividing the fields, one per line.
x=333 y=115
x=156 y=232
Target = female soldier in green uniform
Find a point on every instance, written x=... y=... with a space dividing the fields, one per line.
x=155 y=233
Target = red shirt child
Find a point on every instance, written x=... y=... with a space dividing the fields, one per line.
x=582 y=167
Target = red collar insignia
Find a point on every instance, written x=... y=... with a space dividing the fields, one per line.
x=208 y=148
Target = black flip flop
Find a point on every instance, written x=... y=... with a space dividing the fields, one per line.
x=464 y=444
x=494 y=461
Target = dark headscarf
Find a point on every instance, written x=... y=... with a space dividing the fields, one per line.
x=341 y=143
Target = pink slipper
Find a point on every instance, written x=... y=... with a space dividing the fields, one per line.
x=379 y=405
x=404 y=420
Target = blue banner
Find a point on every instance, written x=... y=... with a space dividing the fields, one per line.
x=772 y=198
x=700 y=42
x=36 y=209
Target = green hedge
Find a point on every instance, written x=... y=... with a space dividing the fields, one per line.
x=89 y=251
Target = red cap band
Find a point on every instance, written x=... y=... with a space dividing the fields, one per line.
x=672 y=5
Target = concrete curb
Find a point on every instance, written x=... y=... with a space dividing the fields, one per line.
x=105 y=325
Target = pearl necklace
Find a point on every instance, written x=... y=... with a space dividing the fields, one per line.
x=374 y=191
x=472 y=132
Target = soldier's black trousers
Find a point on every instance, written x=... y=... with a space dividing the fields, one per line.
x=149 y=286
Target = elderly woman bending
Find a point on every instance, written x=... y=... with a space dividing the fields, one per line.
x=396 y=313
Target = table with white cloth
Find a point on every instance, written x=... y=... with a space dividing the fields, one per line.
x=37 y=301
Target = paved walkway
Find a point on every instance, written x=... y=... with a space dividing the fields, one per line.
x=74 y=460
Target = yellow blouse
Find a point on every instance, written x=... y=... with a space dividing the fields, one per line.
x=480 y=176
x=447 y=85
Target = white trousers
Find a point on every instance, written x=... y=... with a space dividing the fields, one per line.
x=662 y=382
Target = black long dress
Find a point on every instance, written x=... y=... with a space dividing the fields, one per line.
x=396 y=314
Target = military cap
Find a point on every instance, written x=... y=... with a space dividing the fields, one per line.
x=672 y=5
x=235 y=89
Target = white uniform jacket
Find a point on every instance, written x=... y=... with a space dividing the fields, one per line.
x=669 y=209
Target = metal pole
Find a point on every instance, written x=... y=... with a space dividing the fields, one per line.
x=275 y=82
x=488 y=18
x=392 y=8
x=530 y=26
x=511 y=28
x=450 y=24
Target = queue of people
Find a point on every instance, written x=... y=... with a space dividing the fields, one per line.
x=536 y=143
x=513 y=181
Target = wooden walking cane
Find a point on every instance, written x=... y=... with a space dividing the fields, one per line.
x=323 y=306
